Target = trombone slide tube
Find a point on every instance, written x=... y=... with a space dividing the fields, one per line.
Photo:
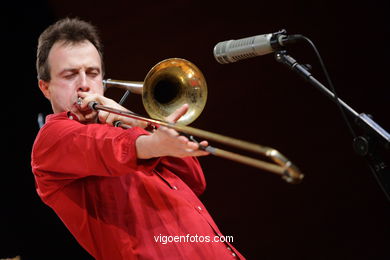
x=134 y=87
x=284 y=167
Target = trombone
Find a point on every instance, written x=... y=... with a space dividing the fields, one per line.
x=174 y=82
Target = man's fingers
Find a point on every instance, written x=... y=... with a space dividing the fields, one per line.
x=103 y=116
x=172 y=118
x=183 y=139
x=90 y=115
x=204 y=143
x=86 y=99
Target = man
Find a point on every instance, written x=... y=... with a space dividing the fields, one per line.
x=119 y=192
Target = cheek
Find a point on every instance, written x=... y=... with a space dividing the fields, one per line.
x=98 y=88
x=63 y=98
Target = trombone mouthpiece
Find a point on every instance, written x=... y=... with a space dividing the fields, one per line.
x=79 y=101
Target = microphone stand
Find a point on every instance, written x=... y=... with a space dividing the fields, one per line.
x=367 y=144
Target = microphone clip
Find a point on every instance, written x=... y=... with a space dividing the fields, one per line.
x=280 y=39
x=276 y=40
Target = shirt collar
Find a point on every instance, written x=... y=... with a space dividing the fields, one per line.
x=62 y=115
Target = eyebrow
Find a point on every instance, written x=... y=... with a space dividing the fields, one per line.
x=75 y=70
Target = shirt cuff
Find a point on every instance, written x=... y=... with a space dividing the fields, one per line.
x=135 y=163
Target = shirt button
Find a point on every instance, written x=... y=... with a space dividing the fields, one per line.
x=228 y=248
x=199 y=208
x=234 y=255
x=71 y=117
x=174 y=187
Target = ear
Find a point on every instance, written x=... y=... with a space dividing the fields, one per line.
x=44 y=87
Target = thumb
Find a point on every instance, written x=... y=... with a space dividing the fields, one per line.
x=172 y=118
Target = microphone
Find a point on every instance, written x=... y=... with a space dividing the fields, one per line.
x=235 y=50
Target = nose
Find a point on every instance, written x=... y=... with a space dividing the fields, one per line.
x=82 y=84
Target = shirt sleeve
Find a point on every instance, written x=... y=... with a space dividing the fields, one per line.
x=68 y=149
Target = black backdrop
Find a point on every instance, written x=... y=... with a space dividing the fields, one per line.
x=338 y=212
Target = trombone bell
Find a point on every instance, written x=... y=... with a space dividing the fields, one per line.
x=170 y=84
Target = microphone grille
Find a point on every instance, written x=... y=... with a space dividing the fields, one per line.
x=242 y=42
x=220 y=53
x=243 y=49
x=235 y=50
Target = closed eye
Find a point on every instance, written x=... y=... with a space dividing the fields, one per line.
x=93 y=72
x=69 y=75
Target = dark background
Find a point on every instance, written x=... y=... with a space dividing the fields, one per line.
x=338 y=212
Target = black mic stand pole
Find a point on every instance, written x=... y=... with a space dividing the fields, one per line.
x=366 y=145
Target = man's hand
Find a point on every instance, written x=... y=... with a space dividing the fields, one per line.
x=167 y=142
x=103 y=116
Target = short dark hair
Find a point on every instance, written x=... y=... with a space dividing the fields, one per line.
x=69 y=30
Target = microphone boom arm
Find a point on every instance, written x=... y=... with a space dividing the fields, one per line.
x=365 y=145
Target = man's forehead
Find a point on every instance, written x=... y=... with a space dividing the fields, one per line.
x=62 y=44
x=63 y=52
x=66 y=43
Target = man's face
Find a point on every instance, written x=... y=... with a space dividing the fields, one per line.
x=74 y=68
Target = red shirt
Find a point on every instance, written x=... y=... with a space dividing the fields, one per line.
x=118 y=206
